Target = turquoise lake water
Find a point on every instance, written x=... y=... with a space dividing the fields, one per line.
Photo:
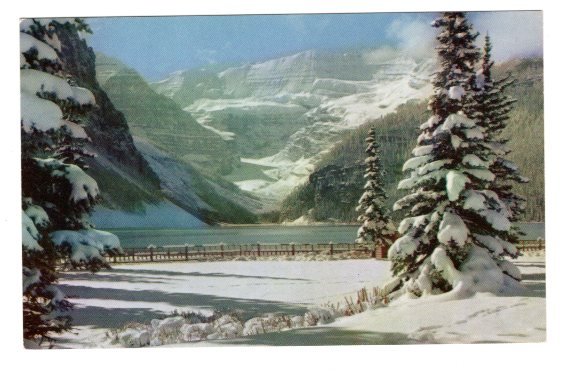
x=253 y=234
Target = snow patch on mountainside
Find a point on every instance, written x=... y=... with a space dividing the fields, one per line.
x=286 y=175
x=263 y=105
x=225 y=135
x=170 y=85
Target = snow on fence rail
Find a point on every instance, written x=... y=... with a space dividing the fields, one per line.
x=238 y=251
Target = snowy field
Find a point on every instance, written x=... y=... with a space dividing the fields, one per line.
x=142 y=292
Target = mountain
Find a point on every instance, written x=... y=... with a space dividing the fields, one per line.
x=159 y=119
x=128 y=185
x=333 y=189
x=186 y=157
x=130 y=172
x=125 y=178
x=282 y=116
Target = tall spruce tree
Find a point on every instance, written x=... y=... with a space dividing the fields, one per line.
x=57 y=195
x=453 y=221
x=490 y=109
x=377 y=227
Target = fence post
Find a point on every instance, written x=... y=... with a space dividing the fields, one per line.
x=186 y=253
x=221 y=250
x=258 y=249
x=293 y=249
x=539 y=244
x=151 y=254
x=331 y=248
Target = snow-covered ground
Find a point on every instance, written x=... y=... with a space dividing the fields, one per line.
x=140 y=293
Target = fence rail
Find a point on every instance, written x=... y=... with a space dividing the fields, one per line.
x=531 y=245
x=231 y=251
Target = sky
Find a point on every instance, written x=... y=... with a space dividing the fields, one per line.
x=157 y=46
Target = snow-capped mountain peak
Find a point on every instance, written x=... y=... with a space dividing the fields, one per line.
x=307 y=100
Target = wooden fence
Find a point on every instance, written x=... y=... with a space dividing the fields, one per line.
x=232 y=251
x=531 y=245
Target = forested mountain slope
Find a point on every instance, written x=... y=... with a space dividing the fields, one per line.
x=333 y=189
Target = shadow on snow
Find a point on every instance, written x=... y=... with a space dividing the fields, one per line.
x=141 y=275
x=318 y=336
x=117 y=317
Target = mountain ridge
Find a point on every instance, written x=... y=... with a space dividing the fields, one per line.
x=309 y=98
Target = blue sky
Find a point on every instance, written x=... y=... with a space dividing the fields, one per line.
x=157 y=46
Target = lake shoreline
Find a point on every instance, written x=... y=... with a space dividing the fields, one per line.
x=263 y=225
x=253 y=234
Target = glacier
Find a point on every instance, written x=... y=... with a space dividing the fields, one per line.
x=312 y=97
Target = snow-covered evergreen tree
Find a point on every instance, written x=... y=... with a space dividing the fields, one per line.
x=490 y=109
x=455 y=226
x=57 y=195
x=377 y=227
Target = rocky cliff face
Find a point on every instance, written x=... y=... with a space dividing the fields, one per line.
x=118 y=164
x=187 y=158
x=159 y=119
x=132 y=174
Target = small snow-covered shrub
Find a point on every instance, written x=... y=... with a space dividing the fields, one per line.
x=352 y=308
x=226 y=327
x=297 y=321
x=267 y=324
x=197 y=331
x=181 y=327
x=319 y=316
x=167 y=331
x=134 y=338
x=254 y=326
x=178 y=327
x=169 y=324
x=191 y=317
